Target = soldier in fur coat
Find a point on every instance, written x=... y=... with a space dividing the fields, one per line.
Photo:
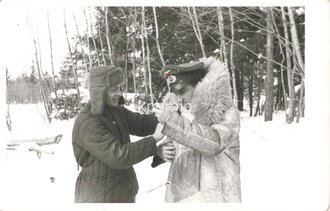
x=205 y=130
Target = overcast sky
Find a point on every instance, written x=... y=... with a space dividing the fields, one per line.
x=17 y=48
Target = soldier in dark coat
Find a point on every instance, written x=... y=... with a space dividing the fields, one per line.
x=101 y=141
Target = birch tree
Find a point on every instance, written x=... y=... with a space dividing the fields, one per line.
x=297 y=53
x=87 y=41
x=145 y=76
x=38 y=64
x=195 y=25
x=157 y=36
x=269 y=76
x=290 y=110
x=134 y=50
x=282 y=61
x=93 y=37
x=8 y=119
x=108 y=35
x=51 y=55
x=74 y=66
x=148 y=60
x=81 y=46
x=232 y=65
x=101 y=43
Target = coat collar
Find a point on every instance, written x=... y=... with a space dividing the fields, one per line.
x=212 y=95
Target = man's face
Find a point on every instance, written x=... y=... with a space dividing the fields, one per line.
x=112 y=95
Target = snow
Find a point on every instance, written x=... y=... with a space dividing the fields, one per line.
x=281 y=165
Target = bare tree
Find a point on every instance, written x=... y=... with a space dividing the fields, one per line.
x=101 y=42
x=282 y=62
x=290 y=112
x=8 y=119
x=196 y=28
x=269 y=77
x=298 y=56
x=157 y=36
x=232 y=65
x=134 y=50
x=295 y=40
x=81 y=45
x=74 y=66
x=108 y=35
x=145 y=76
x=87 y=40
x=38 y=64
x=93 y=38
x=51 y=55
x=148 y=60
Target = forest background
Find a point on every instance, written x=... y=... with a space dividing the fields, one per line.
x=262 y=47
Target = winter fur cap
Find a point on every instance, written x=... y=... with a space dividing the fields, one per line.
x=99 y=79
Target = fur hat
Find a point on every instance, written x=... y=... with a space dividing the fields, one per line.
x=179 y=76
x=99 y=79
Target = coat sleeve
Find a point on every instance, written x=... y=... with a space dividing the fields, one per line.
x=140 y=124
x=210 y=140
x=99 y=142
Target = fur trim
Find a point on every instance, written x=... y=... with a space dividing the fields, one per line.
x=212 y=96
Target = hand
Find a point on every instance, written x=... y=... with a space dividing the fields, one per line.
x=158 y=132
x=162 y=115
x=166 y=151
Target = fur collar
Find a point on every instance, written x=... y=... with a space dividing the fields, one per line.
x=212 y=95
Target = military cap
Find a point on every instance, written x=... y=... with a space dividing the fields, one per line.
x=178 y=76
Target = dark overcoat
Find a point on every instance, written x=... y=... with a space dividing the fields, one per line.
x=103 y=149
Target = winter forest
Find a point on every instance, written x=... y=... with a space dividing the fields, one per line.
x=262 y=47
x=282 y=160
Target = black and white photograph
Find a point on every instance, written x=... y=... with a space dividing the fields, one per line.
x=208 y=106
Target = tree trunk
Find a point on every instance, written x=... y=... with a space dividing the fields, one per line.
x=289 y=112
x=134 y=62
x=240 y=82
x=300 y=105
x=36 y=56
x=259 y=80
x=8 y=119
x=126 y=71
x=232 y=66
x=148 y=61
x=74 y=66
x=278 y=95
x=87 y=41
x=101 y=42
x=251 y=90
x=196 y=28
x=52 y=65
x=51 y=56
x=145 y=77
x=297 y=53
x=108 y=37
x=93 y=38
x=269 y=76
x=280 y=42
x=157 y=37
x=223 y=51
x=295 y=40
x=81 y=45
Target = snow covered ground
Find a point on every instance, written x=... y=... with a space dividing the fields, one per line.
x=281 y=166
